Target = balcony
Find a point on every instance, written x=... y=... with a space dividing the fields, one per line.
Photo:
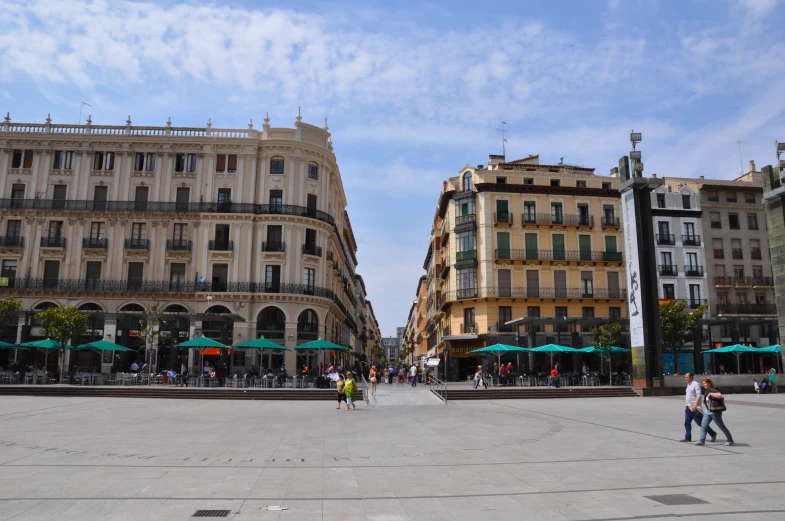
x=723 y=281
x=137 y=244
x=691 y=240
x=465 y=223
x=696 y=303
x=178 y=245
x=469 y=329
x=53 y=242
x=610 y=222
x=755 y=254
x=762 y=281
x=719 y=254
x=746 y=309
x=742 y=281
x=532 y=254
x=95 y=243
x=163 y=207
x=464 y=256
x=666 y=239
x=466 y=293
x=278 y=246
x=669 y=270
x=535 y=293
x=693 y=271
x=737 y=253
x=502 y=218
x=558 y=219
x=12 y=241
x=221 y=245
x=312 y=249
x=445 y=268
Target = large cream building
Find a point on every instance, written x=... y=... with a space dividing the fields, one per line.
x=233 y=233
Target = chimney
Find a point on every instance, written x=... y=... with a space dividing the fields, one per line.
x=701 y=177
x=615 y=172
x=654 y=176
x=494 y=159
x=752 y=166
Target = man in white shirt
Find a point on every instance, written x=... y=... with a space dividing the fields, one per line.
x=134 y=367
x=413 y=373
x=691 y=413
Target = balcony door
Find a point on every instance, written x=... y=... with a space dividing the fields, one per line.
x=92 y=275
x=276 y=201
x=272 y=279
x=311 y=205
x=221 y=236
x=560 y=283
x=557 y=214
x=177 y=276
x=532 y=283
x=584 y=245
x=135 y=275
x=664 y=229
x=99 y=197
x=51 y=274
x=503 y=245
x=695 y=295
x=182 y=199
x=530 y=242
x=587 y=284
x=220 y=278
x=505 y=284
x=559 y=252
x=58 y=197
x=141 y=195
x=468 y=320
x=613 y=285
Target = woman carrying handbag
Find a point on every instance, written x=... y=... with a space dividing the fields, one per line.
x=713 y=406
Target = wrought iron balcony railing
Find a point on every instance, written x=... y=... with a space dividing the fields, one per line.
x=746 y=309
x=669 y=270
x=312 y=249
x=12 y=241
x=540 y=293
x=691 y=240
x=221 y=245
x=278 y=246
x=557 y=255
x=557 y=219
x=693 y=271
x=53 y=242
x=178 y=245
x=137 y=244
x=95 y=243
x=502 y=217
x=666 y=238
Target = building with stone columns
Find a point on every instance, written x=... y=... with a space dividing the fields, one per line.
x=230 y=233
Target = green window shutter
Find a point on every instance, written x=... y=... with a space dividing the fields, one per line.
x=611 y=253
x=584 y=245
x=502 y=206
x=531 y=246
x=558 y=247
x=503 y=245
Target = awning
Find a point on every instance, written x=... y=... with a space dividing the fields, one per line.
x=432 y=362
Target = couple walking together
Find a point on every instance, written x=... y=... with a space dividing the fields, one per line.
x=704 y=405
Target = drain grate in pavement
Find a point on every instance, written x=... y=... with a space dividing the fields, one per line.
x=676 y=499
x=211 y=513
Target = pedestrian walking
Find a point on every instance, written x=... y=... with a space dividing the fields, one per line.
x=479 y=378
x=349 y=390
x=372 y=377
x=692 y=413
x=341 y=390
x=554 y=376
x=390 y=374
x=401 y=376
x=773 y=380
x=713 y=407
x=413 y=373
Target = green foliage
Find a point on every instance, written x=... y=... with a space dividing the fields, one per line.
x=62 y=323
x=8 y=308
x=677 y=326
x=605 y=337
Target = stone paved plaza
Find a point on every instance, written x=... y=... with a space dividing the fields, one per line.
x=407 y=458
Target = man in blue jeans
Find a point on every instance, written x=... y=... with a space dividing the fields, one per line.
x=691 y=413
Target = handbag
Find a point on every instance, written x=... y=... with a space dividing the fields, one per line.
x=717 y=404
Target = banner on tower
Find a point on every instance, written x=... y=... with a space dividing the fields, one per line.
x=634 y=301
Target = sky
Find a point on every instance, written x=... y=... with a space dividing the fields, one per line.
x=415 y=90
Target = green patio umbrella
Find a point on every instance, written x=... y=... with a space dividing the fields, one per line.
x=47 y=345
x=773 y=350
x=736 y=349
x=101 y=345
x=202 y=342
x=6 y=345
x=262 y=344
x=320 y=345
x=552 y=349
x=499 y=350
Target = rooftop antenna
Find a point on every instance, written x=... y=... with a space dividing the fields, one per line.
x=83 y=105
x=504 y=139
x=741 y=162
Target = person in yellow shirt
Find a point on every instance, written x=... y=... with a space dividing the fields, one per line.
x=349 y=390
x=341 y=390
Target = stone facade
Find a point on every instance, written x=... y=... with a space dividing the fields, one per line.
x=240 y=232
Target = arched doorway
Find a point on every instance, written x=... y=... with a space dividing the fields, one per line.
x=271 y=324
x=174 y=328
x=90 y=361
x=307 y=330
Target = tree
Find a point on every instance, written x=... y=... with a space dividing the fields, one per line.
x=8 y=308
x=677 y=327
x=150 y=333
x=605 y=337
x=61 y=324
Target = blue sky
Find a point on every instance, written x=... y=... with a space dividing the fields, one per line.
x=415 y=90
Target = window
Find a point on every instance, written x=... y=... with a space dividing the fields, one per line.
x=62 y=160
x=309 y=277
x=735 y=245
x=22 y=159
x=501 y=180
x=138 y=231
x=719 y=252
x=466 y=241
x=13 y=228
x=135 y=275
x=587 y=284
x=529 y=212
x=755 y=249
x=468 y=319
x=560 y=312
x=583 y=214
x=276 y=201
x=749 y=197
x=224 y=197
x=730 y=197
x=505 y=315
x=272 y=278
x=502 y=245
x=226 y=163
x=97 y=231
x=606 y=186
x=689 y=231
x=505 y=284
x=276 y=165
x=580 y=184
x=528 y=181
x=467 y=182
x=738 y=271
x=666 y=258
x=180 y=233
x=668 y=291
x=313 y=170
x=609 y=214
x=733 y=221
x=17 y=191
x=752 y=221
x=757 y=272
x=51 y=274
x=555 y=182
x=220 y=278
x=144 y=162
x=222 y=237
x=695 y=295
x=715 y=220
x=614 y=312
x=685 y=202
x=9 y=270
x=467 y=283
x=557 y=213
x=177 y=274
x=692 y=260
x=103 y=161
x=55 y=229
x=185 y=163
x=660 y=200
x=714 y=196
x=310 y=205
